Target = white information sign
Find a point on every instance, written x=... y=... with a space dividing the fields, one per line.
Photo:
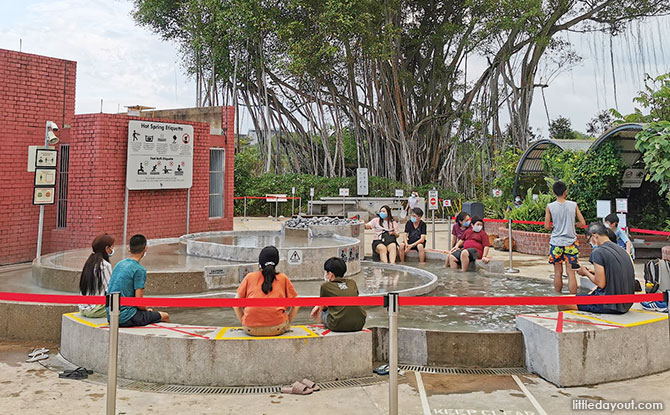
x=432 y=200
x=294 y=257
x=311 y=192
x=446 y=203
x=622 y=205
x=160 y=155
x=633 y=178
x=362 y=182
x=497 y=192
x=344 y=192
x=622 y=221
x=603 y=208
x=399 y=193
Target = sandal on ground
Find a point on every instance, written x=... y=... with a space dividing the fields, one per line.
x=76 y=375
x=313 y=386
x=35 y=352
x=296 y=389
x=38 y=357
x=382 y=370
x=79 y=369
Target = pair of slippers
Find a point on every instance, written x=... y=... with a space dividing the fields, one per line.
x=38 y=354
x=78 y=373
x=304 y=387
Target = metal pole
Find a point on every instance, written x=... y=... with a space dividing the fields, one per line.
x=292 y=201
x=433 y=228
x=511 y=269
x=449 y=232
x=299 y=205
x=188 y=210
x=125 y=224
x=344 y=214
x=666 y=298
x=113 y=303
x=41 y=221
x=276 y=207
x=244 y=219
x=393 y=352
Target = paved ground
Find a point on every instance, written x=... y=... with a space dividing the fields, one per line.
x=30 y=388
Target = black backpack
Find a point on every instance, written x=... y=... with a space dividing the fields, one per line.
x=651 y=271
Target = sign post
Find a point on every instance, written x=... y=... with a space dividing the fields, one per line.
x=292 y=200
x=344 y=192
x=44 y=185
x=311 y=200
x=447 y=203
x=432 y=206
x=160 y=156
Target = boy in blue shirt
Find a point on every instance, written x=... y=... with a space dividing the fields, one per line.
x=612 y=222
x=129 y=278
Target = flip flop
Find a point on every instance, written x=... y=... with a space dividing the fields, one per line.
x=79 y=369
x=382 y=370
x=296 y=389
x=38 y=357
x=35 y=352
x=313 y=386
x=73 y=375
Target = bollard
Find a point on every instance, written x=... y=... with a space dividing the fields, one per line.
x=391 y=301
x=666 y=298
x=449 y=233
x=511 y=269
x=244 y=218
x=113 y=303
x=433 y=228
x=299 y=205
x=276 y=208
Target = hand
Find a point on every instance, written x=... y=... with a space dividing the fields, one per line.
x=314 y=313
x=408 y=248
x=454 y=249
x=150 y=309
x=486 y=259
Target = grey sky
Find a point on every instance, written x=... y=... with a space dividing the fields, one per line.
x=124 y=64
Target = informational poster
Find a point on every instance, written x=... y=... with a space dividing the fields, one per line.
x=44 y=195
x=45 y=177
x=603 y=208
x=45 y=157
x=344 y=192
x=399 y=193
x=362 y=181
x=160 y=155
x=622 y=205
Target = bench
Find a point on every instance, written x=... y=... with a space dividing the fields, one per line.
x=222 y=356
x=575 y=348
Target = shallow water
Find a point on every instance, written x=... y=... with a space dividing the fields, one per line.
x=255 y=240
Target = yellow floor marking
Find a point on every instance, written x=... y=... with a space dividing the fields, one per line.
x=639 y=323
x=75 y=316
x=222 y=332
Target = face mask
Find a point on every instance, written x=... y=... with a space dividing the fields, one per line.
x=477 y=228
x=382 y=215
x=111 y=254
x=413 y=219
x=466 y=223
x=517 y=200
x=325 y=276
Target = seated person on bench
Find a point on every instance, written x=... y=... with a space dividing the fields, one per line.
x=613 y=272
x=415 y=236
x=476 y=245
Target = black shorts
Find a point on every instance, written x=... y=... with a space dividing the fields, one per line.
x=375 y=255
x=142 y=318
x=474 y=255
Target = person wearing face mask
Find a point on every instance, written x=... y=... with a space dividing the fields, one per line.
x=415 y=236
x=462 y=224
x=476 y=245
x=95 y=275
x=338 y=318
x=516 y=204
x=613 y=272
x=129 y=278
x=412 y=202
x=384 y=244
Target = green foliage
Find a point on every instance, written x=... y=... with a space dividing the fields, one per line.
x=561 y=129
x=654 y=144
x=589 y=176
x=655 y=99
x=531 y=210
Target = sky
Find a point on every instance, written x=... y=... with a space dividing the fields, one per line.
x=123 y=64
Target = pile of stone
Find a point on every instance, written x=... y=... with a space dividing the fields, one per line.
x=304 y=223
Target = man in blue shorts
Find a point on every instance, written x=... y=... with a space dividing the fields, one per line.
x=612 y=273
x=129 y=278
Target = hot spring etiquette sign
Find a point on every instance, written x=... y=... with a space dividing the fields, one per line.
x=160 y=155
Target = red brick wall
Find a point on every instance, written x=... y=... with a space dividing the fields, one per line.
x=97 y=186
x=534 y=243
x=31 y=92
x=33 y=89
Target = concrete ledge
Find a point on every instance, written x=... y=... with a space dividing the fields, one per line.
x=494 y=266
x=589 y=348
x=460 y=349
x=32 y=321
x=222 y=356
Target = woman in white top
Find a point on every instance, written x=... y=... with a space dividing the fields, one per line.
x=384 y=244
x=96 y=274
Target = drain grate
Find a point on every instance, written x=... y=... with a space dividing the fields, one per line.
x=242 y=390
x=464 y=371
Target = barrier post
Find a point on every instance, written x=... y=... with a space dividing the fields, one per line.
x=292 y=201
x=391 y=301
x=244 y=218
x=449 y=232
x=433 y=228
x=276 y=208
x=511 y=269
x=299 y=205
x=113 y=303
x=666 y=298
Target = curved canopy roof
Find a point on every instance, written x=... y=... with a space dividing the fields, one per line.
x=623 y=135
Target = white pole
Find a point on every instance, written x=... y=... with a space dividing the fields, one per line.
x=125 y=224
x=449 y=232
x=244 y=219
x=393 y=353
x=113 y=302
x=188 y=210
x=41 y=220
x=433 y=228
x=511 y=269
